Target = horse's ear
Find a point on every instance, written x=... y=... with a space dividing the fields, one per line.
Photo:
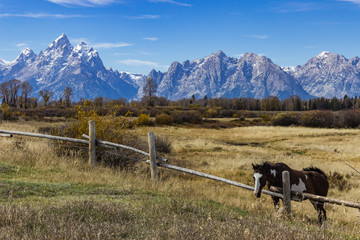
x=255 y=166
x=267 y=166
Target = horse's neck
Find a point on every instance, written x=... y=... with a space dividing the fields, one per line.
x=275 y=177
x=278 y=180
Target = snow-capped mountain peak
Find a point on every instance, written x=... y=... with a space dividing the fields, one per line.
x=324 y=54
x=219 y=54
x=85 y=51
x=61 y=41
x=26 y=52
x=249 y=55
x=26 y=55
x=82 y=46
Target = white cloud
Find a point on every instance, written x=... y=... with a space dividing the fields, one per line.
x=122 y=54
x=145 y=17
x=21 y=45
x=147 y=53
x=137 y=62
x=351 y=1
x=136 y=53
x=153 y=39
x=261 y=37
x=110 y=45
x=288 y=7
x=84 y=3
x=172 y=2
x=40 y=15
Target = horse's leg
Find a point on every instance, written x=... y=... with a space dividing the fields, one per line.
x=319 y=207
x=276 y=202
x=323 y=217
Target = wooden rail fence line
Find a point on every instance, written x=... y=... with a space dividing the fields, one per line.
x=38 y=135
x=286 y=195
x=216 y=178
x=298 y=197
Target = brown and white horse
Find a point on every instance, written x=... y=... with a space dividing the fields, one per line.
x=309 y=180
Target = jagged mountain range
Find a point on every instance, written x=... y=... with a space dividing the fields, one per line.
x=62 y=65
x=217 y=75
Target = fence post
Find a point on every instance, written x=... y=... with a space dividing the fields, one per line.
x=286 y=192
x=152 y=152
x=92 y=138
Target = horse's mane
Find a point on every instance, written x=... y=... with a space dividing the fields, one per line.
x=263 y=164
x=315 y=169
x=267 y=165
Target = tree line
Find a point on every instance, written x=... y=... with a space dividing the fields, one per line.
x=293 y=103
x=16 y=94
x=272 y=103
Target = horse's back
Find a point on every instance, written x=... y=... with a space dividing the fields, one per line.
x=319 y=182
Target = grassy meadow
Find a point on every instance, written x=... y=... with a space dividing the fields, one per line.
x=47 y=195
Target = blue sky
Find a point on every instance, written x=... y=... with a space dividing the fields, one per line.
x=139 y=35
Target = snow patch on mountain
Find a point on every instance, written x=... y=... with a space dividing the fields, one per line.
x=3 y=62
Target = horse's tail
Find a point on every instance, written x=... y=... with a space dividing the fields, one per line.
x=315 y=169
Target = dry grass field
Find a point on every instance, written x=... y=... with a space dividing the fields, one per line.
x=44 y=195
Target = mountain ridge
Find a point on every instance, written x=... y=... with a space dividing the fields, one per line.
x=216 y=75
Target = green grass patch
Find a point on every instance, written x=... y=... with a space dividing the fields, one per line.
x=156 y=218
x=7 y=170
x=19 y=189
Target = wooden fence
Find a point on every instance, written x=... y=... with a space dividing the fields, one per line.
x=157 y=161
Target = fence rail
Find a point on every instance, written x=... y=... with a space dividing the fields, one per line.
x=38 y=135
x=92 y=142
x=297 y=196
x=5 y=135
x=110 y=144
x=216 y=178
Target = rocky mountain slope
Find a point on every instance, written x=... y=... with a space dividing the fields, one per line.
x=329 y=75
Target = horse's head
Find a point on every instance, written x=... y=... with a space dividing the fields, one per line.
x=260 y=173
